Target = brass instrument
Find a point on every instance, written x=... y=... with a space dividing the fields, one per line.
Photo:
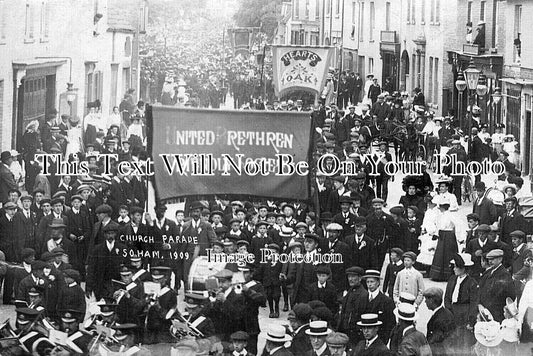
x=180 y=333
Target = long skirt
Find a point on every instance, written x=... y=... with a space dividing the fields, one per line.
x=446 y=248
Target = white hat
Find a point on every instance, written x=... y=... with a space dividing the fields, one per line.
x=318 y=328
x=406 y=312
x=277 y=333
x=14 y=153
x=369 y=320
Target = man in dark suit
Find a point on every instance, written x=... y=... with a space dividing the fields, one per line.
x=441 y=325
x=305 y=273
x=478 y=248
x=372 y=345
x=511 y=220
x=354 y=304
x=118 y=194
x=322 y=188
x=7 y=180
x=495 y=285
x=299 y=320
x=26 y=222
x=413 y=342
x=380 y=304
x=103 y=213
x=380 y=228
x=382 y=180
x=317 y=333
x=345 y=218
x=483 y=206
x=362 y=248
x=335 y=245
x=35 y=278
x=79 y=232
x=43 y=229
x=337 y=192
x=199 y=236
x=520 y=254
x=104 y=264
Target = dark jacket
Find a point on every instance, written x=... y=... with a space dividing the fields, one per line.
x=103 y=266
x=440 y=328
x=384 y=307
x=363 y=255
x=377 y=348
x=486 y=211
x=494 y=287
x=328 y=295
x=465 y=310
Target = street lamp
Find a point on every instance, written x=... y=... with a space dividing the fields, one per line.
x=71 y=95
x=497 y=98
x=472 y=75
x=460 y=84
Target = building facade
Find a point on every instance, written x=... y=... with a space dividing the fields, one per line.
x=517 y=81
x=62 y=54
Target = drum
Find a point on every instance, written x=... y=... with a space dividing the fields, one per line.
x=201 y=270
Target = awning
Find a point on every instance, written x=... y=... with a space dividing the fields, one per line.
x=37 y=63
x=517 y=81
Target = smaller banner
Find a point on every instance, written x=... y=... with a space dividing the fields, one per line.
x=300 y=68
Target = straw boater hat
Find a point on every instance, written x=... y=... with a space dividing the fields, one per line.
x=277 y=333
x=318 y=328
x=406 y=312
x=487 y=331
x=369 y=320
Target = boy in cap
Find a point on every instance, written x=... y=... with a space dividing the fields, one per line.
x=393 y=268
x=260 y=239
x=409 y=279
x=269 y=275
x=337 y=343
x=324 y=290
x=239 y=340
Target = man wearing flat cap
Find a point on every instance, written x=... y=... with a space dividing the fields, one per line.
x=495 y=285
x=334 y=244
x=103 y=213
x=104 y=263
x=479 y=247
x=354 y=304
x=380 y=226
x=520 y=254
x=337 y=343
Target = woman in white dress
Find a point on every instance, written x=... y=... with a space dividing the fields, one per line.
x=443 y=186
x=74 y=137
x=429 y=229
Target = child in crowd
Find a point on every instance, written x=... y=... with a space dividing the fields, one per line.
x=409 y=279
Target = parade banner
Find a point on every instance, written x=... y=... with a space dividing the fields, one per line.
x=204 y=152
x=300 y=68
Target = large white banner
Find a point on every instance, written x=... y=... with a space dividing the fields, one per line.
x=300 y=68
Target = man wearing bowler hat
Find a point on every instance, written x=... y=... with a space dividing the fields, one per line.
x=362 y=248
x=372 y=345
x=483 y=206
x=496 y=285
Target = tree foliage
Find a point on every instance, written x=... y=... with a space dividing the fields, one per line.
x=259 y=13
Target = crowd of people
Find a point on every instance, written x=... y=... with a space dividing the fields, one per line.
x=91 y=270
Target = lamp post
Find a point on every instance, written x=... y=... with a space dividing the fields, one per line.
x=460 y=84
x=472 y=75
x=497 y=98
x=72 y=94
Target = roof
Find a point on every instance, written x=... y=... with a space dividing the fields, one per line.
x=518 y=81
x=35 y=63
